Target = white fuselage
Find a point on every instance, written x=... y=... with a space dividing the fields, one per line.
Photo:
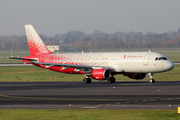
x=129 y=62
x=138 y=62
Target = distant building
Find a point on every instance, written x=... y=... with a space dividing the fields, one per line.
x=70 y=47
x=57 y=48
x=53 y=48
x=61 y=48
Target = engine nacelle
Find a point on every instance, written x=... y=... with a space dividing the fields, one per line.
x=100 y=74
x=136 y=75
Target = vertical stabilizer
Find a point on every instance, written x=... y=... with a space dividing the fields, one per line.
x=36 y=45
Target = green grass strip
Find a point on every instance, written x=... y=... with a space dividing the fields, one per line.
x=84 y=114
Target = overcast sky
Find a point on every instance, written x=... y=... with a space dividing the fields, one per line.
x=52 y=17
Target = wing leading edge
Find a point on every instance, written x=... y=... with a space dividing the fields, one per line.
x=83 y=68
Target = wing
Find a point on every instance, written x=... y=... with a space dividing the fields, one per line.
x=62 y=65
x=83 y=68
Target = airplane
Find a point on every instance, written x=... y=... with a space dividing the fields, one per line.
x=98 y=66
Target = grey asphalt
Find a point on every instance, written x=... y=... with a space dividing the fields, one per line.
x=97 y=95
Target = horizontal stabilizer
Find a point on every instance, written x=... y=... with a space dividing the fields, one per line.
x=23 y=59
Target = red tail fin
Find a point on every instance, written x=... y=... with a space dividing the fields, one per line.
x=36 y=45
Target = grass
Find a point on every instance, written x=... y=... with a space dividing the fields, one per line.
x=82 y=114
x=37 y=74
x=4 y=56
x=33 y=74
x=173 y=56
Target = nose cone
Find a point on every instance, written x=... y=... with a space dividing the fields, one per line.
x=169 y=65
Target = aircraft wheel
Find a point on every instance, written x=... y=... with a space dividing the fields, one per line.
x=111 y=80
x=152 y=81
x=87 y=80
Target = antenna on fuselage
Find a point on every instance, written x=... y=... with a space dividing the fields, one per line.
x=82 y=52
x=149 y=50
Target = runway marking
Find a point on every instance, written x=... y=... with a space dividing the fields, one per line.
x=126 y=102
x=177 y=98
x=170 y=99
x=121 y=101
x=108 y=104
x=136 y=84
x=99 y=104
x=89 y=107
x=6 y=96
x=117 y=103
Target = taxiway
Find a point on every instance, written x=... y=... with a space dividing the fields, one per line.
x=97 y=95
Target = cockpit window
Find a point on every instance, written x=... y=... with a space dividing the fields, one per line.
x=160 y=58
x=164 y=58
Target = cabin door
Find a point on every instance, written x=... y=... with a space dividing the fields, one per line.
x=146 y=59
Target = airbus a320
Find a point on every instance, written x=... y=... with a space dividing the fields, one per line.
x=99 y=66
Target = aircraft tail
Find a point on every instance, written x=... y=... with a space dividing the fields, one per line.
x=36 y=45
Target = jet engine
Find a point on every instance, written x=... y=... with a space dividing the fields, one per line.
x=136 y=75
x=100 y=74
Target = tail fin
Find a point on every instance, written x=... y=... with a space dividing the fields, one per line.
x=36 y=45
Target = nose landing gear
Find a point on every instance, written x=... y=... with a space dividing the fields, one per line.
x=151 y=78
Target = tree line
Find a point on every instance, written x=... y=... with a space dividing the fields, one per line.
x=97 y=40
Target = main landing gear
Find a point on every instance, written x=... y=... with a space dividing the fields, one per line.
x=111 y=80
x=151 y=78
x=87 y=80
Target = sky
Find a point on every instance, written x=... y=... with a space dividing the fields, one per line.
x=52 y=17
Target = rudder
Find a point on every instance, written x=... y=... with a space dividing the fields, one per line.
x=36 y=45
